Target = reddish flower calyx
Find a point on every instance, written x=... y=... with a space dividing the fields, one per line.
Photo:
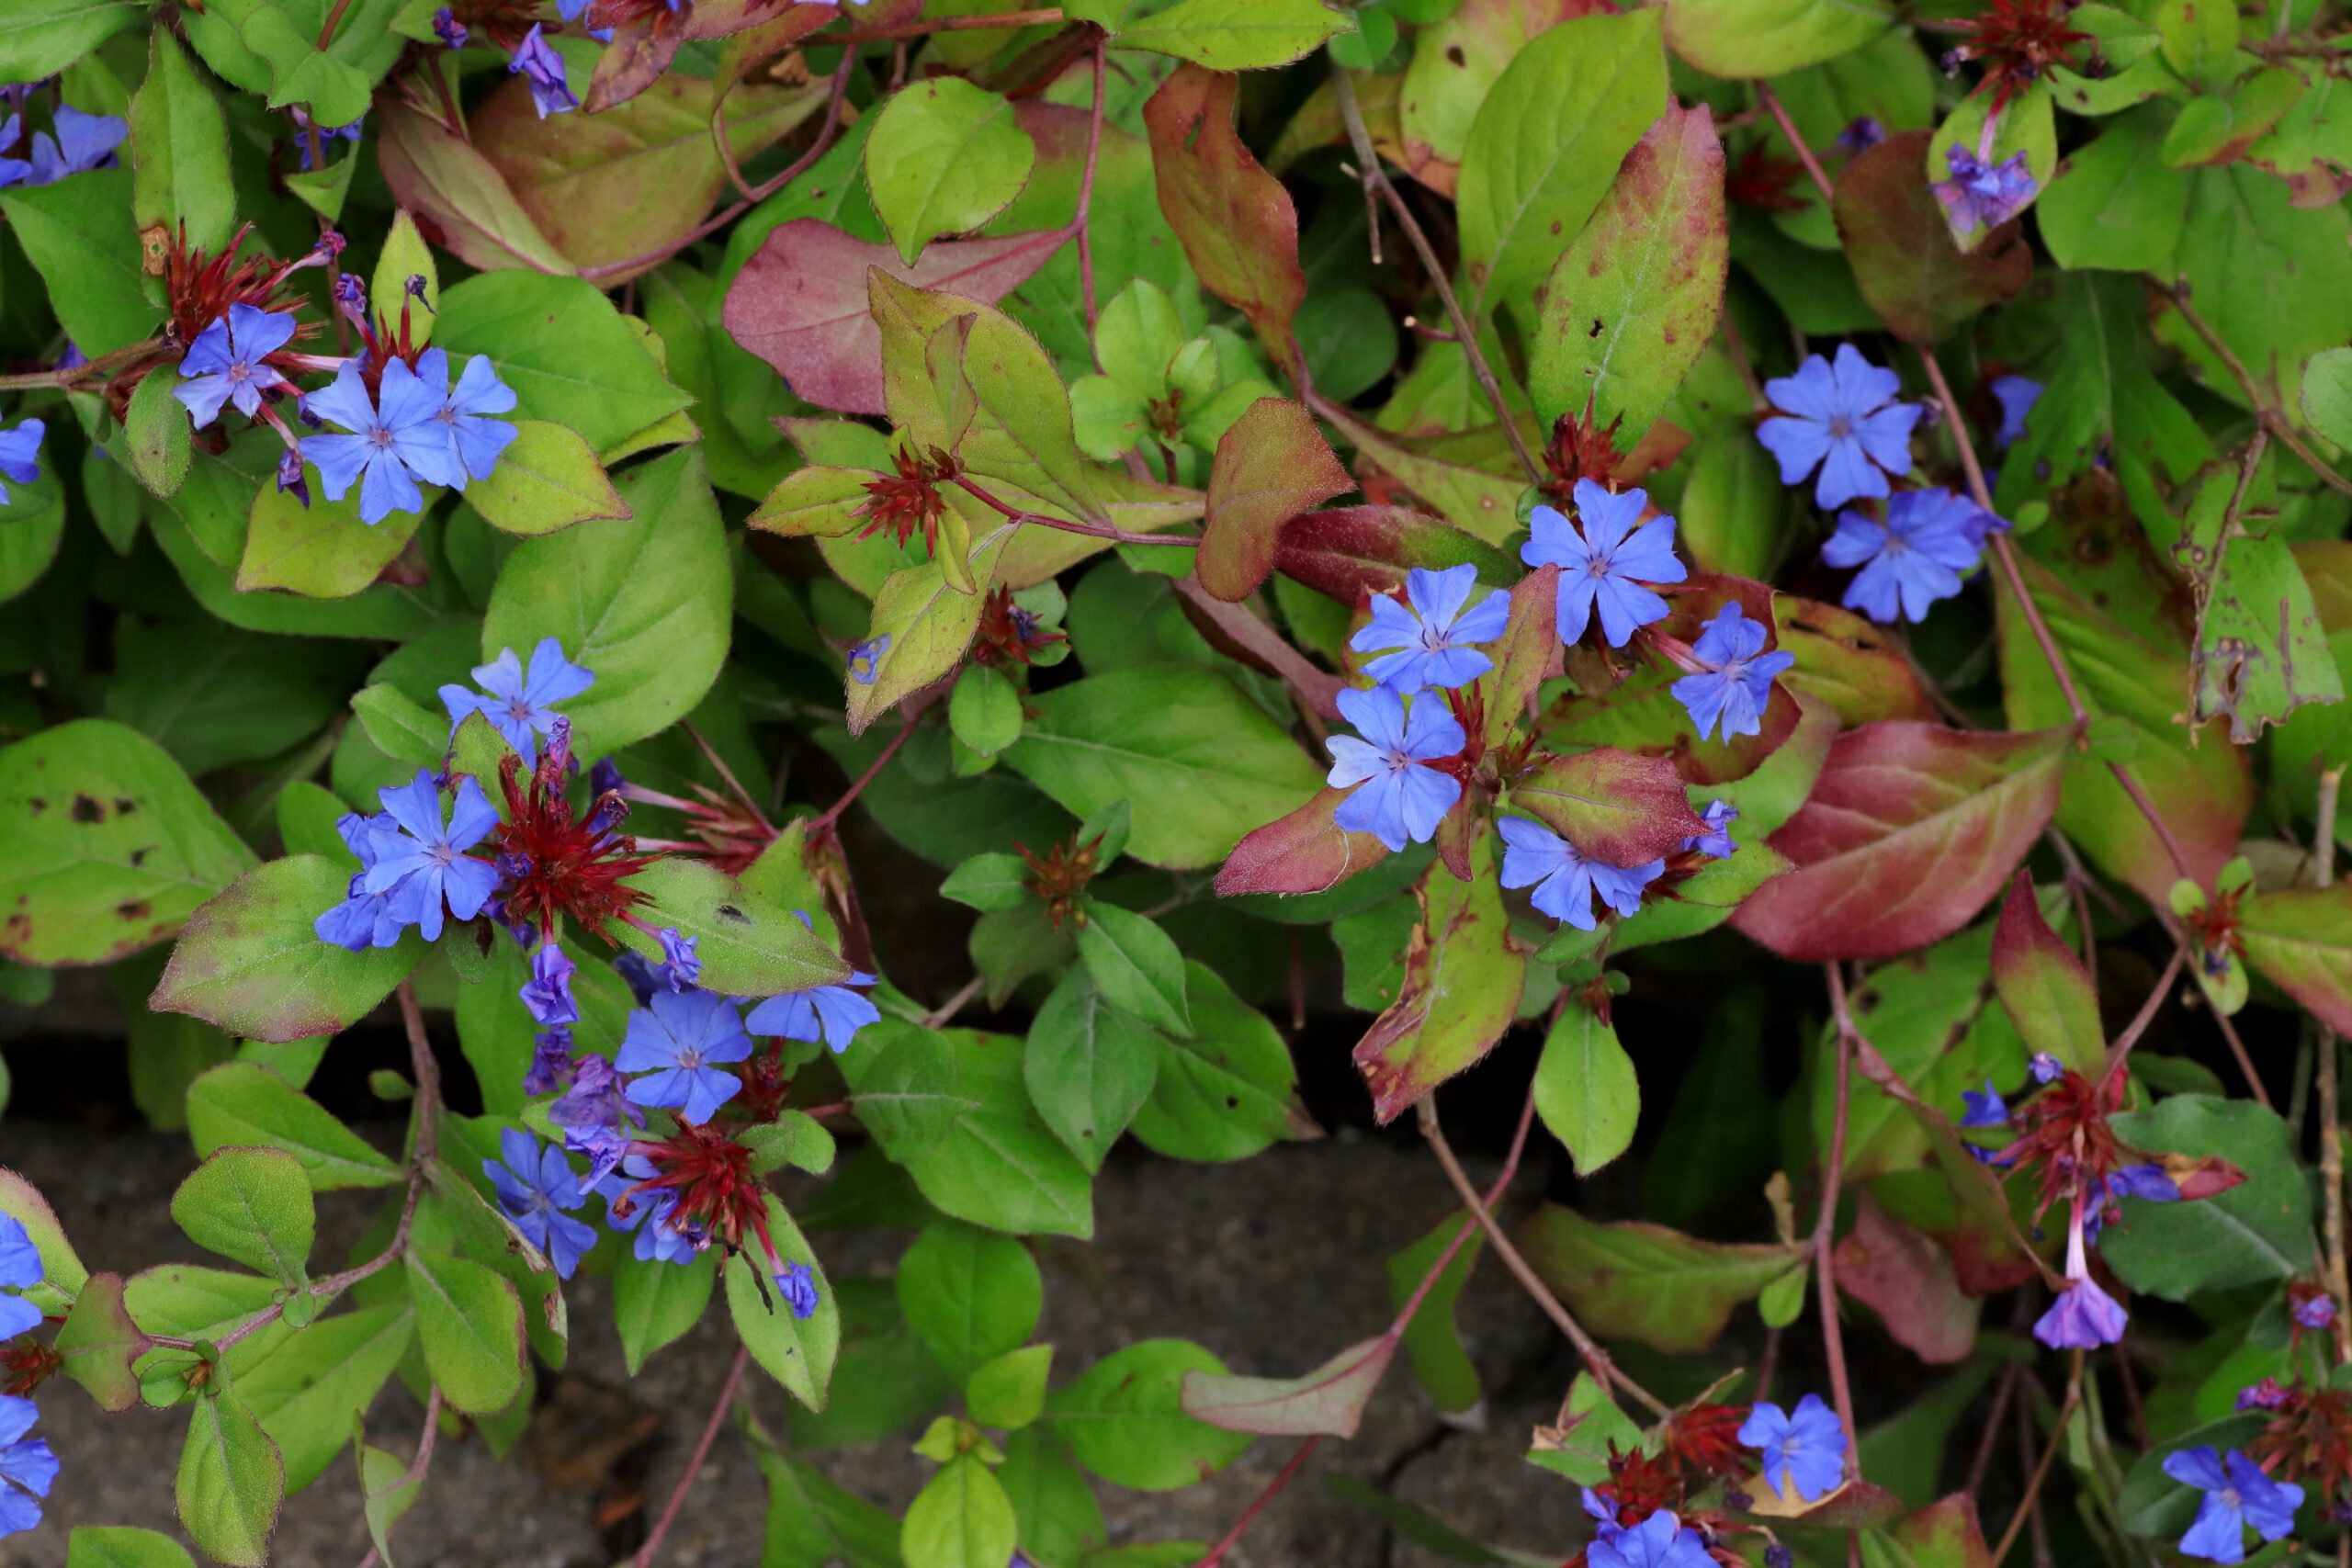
x=1008 y=632
x=550 y=864
x=1060 y=875
x=709 y=1178
x=2017 y=41
x=908 y=501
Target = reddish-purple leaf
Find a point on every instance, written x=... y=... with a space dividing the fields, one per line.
x=633 y=59
x=1329 y=1400
x=1945 y=1534
x=1302 y=852
x=98 y=1342
x=1920 y=283
x=458 y=198
x=1463 y=976
x=1854 y=665
x=1527 y=655
x=800 y=302
x=1349 y=552
x=1910 y=828
x=2206 y=1176
x=1613 y=806
x=2301 y=941
x=1271 y=465
x=2044 y=986
x=1234 y=220
x=1907 y=1280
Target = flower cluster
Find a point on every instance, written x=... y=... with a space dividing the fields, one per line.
x=26 y=1466
x=1649 y=1513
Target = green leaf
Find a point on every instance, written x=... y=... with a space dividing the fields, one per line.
x=470 y=1322
x=960 y=1519
x=98 y=1341
x=245 y=1104
x=1770 y=38
x=1433 y=1340
x=2255 y=1233
x=985 y=710
x=78 y=234
x=40 y=37
x=1461 y=989
x=642 y=599
x=252 y=1205
x=1235 y=35
x=748 y=946
x=1125 y=1419
x=1060 y=1521
x=654 y=1302
x=1230 y=1088
x=105 y=846
x=929 y=624
x=1670 y=1291
x=814 y=1523
x=306 y=1388
x=2327 y=394
x=906 y=1089
x=156 y=434
x=319 y=550
x=1009 y=1391
x=401 y=728
x=992 y=881
x=405 y=255
x=1136 y=966
x=180 y=152
x=230 y=1481
x=569 y=356
x=62 y=1270
x=121 y=1546
x=251 y=962
x=1546 y=145
x=546 y=479
x=798 y=1354
x=1200 y=763
x=2043 y=987
x=1090 y=1067
x=968 y=1294
x=944 y=158
x=1585 y=1089
x=2260 y=653
x=389 y=1491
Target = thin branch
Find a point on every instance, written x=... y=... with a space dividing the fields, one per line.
x=2119 y=1051
x=2274 y=419
x=824 y=820
x=1804 y=153
x=956 y=1003
x=1091 y=530
x=1044 y=15
x=694 y=1462
x=1257 y=1506
x=2042 y=1471
x=2331 y=1116
x=2245 y=1061
x=1376 y=178
x=1824 y=1225
x=1080 y=219
x=427 y=1073
x=1990 y=1437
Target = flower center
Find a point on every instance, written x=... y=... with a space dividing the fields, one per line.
x=690 y=1060
x=2231 y=1500
x=381 y=437
x=239 y=371
x=1841 y=427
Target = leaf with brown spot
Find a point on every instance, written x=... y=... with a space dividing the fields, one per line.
x=1273 y=465
x=1920 y=283
x=1850 y=663
x=1907 y=1280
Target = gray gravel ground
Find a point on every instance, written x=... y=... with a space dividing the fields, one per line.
x=1274 y=1264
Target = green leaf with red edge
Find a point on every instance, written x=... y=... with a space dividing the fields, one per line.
x=1909 y=270
x=1234 y=220
x=440 y=176
x=1770 y=38
x=231 y=1481
x=1528 y=651
x=1462 y=978
x=2301 y=941
x=98 y=1342
x=62 y=1272
x=1645 y=1282
x=1613 y=806
x=1329 y=1400
x=1233 y=35
x=1856 y=666
x=1347 y=552
x=1945 y=1534
x=2044 y=986
x=1630 y=305
x=1303 y=853
x=1271 y=465
x=1911 y=828
x=1471 y=477
x=1904 y=1276
x=816 y=502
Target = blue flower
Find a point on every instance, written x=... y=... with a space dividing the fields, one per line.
x=570 y=10
x=1738 y=679
x=84 y=142
x=1806 y=1449
x=26 y=1467
x=363 y=919
x=2083 y=1317
x=796 y=1283
x=596 y=1116
x=536 y=1185
x=865 y=657
x=1980 y=193
x=1716 y=840
x=675 y=1043
x=832 y=1013
x=1659 y=1542
x=326 y=133
x=449 y=29
x=225 y=361
x=475 y=439
x=2045 y=1067
x=20 y=1270
x=659 y=1241
x=520 y=705
x=548 y=993
x=2264 y=1396
x=12 y=170
x=1985 y=1110
x=20 y=454
x=2016 y=397
x=1432 y=639
x=1606 y=563
x=550 y=1060
x=1842 y=420
x=2316 y=1312
x=1861 y=135
x=1564 y=882
x=2237 y=1494
x=1402 y=799
x=395 y=441
x=680 y=968
x=422 y=863
x=1912 y=558
x=542 y=67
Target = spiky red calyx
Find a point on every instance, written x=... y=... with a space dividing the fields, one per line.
x=2017 y=41
x=551 y=864
x=708 y=1176
x=1706 y=1438
x=1641 y=1484
x=2067 y=1137
x=24 y=1368
x=1580 y=448
x=909 y=501
x=1007 y=632
x=1060 y=875
x=2309 y=1440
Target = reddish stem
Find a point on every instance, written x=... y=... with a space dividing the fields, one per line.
x=824 y=822
x=1804 y=153
x=1249 y=1515
x=1824 y=1225
x=1042 y=17
x=1078 y=220
x=694 y=1461
x=1091 y=530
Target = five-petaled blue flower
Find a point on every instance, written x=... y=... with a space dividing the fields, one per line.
x=1910 y=560
x=395 y=441
x=1563 y=880
x=1661 y=1541
x=547 y=995
x=832 y=1013
x=20 y=1270
x=20 y=454
x=2017 y=396
x=1716 y=838
x=363 y=919
x=225 y=362
x=536 y=1185
x=1605 y=565
x=2045 y=1067
x=866 y=658
x=1738 y=679
x=796 y=1283
x=675 y=1043
x=475 y=438
x=326 y=133
x=1982 y=194
x=520 y=704
x=1842 y=420
x=82 y=142
x=422 y=863
x=1805 y=1449
x=26 y=1467
x=681 y=965
x=1402 y=799
x=2237 y=1494
x=2083 y=1317
x=536 y=62
x=1985 y=1110
x=1433 y=638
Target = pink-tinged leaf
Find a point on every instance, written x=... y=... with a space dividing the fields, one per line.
x=1945 y=1534
x=1857 y=1505
x=1854 y=665
x=1528 y=654
x=1303 y=853
x=1351 y=552
x=1910 y=828
x=1329 y=1400
x=1234 y=220
x=1271 y=465
x=2301 y=941
x=98 y=1342
x=1920 y=283
x=1648 y=1283
x=1907 y=1280
x=1613 y=806
x=458 y=198
x=1471 y=477
x=635 y=57
x=2044 y=986
x=2206 y=1176
x=800 y=302
x=1238 y=632
x=22 y=1202
x=1463 y=976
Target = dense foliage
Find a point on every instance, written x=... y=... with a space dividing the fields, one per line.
x=631 y=523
